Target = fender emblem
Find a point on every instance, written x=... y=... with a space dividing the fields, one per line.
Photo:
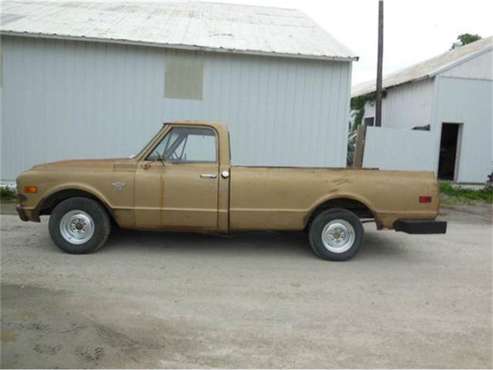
x=118 y=185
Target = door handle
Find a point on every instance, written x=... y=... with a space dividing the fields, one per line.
x=208 y=176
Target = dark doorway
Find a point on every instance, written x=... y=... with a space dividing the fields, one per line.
x=448 y=151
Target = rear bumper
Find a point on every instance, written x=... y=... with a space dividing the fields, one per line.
x=421 y=226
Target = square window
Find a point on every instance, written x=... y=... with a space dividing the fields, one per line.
x=184 y=77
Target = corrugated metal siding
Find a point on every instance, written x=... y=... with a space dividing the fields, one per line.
x=65 y=99
x=406 y=106
x=409 y=105
x=480 y=67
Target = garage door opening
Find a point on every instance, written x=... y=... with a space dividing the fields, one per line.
x=449 y=149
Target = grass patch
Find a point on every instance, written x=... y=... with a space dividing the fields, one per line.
x=7 y=193
x=458 y=194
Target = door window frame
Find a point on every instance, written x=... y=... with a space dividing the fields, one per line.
x=167 y=130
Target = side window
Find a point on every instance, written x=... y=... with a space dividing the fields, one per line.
x=186 y=144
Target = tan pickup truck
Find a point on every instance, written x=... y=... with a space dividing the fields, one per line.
x=183 y=180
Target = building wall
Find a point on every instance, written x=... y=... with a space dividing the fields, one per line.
x=67 y=99
x=480 y=67
x=462 y=94
x=405 y=106
x=468 y=102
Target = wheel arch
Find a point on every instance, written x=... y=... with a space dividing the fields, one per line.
x=51 y=200
x=351 y=203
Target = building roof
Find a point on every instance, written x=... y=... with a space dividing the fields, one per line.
x=429 y=68
x=191 y=25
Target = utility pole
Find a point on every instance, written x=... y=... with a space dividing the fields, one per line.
x=378 y=104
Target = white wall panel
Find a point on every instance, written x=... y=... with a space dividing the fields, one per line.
x=66 y=99
x=468 y=102
x=399 y=149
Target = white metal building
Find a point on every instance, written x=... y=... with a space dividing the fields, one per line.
x=82 y=79
x=453 y=94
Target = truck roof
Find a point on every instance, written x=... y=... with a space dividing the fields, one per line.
x=218 y=126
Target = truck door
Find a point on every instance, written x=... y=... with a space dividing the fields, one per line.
x=182 y=174
x=148 y=194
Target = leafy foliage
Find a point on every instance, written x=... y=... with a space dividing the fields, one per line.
x=7 y=193
x=464 y=39
x=351 y=147
x=489 y=182
x=358 y=105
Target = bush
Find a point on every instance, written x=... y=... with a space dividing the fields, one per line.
x=489 y=182
x=7 y=193
x=467 y=195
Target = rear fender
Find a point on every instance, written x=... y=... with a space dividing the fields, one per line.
x=331 y=197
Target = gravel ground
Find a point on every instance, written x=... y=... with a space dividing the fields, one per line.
x=251 y=300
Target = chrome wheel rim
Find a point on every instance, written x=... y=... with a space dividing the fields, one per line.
x=338 y=236
x=77 y=227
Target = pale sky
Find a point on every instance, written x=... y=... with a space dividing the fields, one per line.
x=414 y=29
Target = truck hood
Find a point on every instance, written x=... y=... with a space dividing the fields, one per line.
x=84 y=164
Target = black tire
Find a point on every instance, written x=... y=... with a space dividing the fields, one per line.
x=102 y=225
x=317 y=227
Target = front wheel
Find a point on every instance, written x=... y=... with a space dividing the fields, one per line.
x=336 y=234
x=79 y=225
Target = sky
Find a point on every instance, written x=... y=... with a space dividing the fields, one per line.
x=414 y=30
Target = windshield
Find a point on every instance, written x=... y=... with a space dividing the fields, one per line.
x=150 y=142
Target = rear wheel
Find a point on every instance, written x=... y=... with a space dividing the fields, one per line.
x=79 y=225
x=336 y=234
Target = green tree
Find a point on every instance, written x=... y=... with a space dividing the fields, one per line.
x=464 y=39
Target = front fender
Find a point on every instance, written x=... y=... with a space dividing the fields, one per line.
x=75 y=186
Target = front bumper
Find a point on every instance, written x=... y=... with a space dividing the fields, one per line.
x=26 y=214
x=421 y=226
x=21 y=212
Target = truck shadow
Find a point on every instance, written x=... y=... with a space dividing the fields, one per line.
x=268 y=243
x=190 y=243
